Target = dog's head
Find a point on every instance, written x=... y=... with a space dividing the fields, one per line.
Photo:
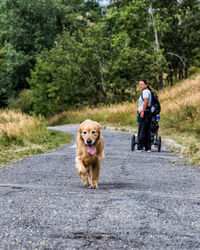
x=89 y=132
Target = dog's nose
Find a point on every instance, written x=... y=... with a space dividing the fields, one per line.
x=89 y=141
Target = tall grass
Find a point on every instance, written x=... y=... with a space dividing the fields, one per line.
x=16 y=127
x=120 y=114
x=181 y=106
x=22 y=135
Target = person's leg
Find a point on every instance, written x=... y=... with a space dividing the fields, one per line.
x=148 y=139
x=141 y=133
x=147 y=131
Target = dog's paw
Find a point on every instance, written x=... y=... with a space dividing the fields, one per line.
x=82 y=173
x=86 y=183
x=94 y=185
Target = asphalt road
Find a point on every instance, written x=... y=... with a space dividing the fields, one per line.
x=144 y=201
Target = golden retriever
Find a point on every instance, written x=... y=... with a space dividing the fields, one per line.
x=90 y=152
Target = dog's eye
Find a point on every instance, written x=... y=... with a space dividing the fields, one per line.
x=84 y=132
x=93 y=131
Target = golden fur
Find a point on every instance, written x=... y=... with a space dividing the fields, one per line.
x=88 y=163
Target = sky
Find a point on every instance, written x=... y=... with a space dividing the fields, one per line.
x=104 y=2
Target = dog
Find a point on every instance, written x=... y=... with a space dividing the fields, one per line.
x=90 y=152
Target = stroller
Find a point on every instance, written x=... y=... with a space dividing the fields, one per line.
x=155 y=139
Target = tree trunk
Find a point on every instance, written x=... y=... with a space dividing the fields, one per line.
x=157 y=47
x=180 y=72
x=171 y=77
x=102 y=80
x=175 y=74
x=186 y=72
x=156 y=42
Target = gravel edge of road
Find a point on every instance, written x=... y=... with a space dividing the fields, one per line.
x=168 y=142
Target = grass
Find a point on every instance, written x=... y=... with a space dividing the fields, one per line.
x=189 y=140
x=22 y=135
x=116 y=115
x=180 y=116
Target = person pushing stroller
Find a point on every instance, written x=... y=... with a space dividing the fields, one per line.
x=144 y=118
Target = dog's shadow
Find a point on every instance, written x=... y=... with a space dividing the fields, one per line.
x=106 y=186
x=116 y=185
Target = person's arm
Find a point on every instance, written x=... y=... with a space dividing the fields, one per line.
x=145 y=104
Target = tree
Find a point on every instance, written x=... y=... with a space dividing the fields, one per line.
x=189 y=29
x=3 y=87
x=96 y=63
x=180 y=39
x=98 y=57
x=132 y=35
x=72 y=73
x=28 y=27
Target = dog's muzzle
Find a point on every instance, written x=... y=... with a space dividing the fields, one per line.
x=89 y=142
x=90 y=146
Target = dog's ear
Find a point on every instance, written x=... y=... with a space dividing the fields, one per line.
x=98 y=124
x=100 y=134
x=99 y=130
x=98 y=127
x=79 y=132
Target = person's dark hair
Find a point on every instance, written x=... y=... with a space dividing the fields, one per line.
x=149 y=88
x=145 y=81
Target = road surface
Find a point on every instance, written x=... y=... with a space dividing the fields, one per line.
x=144 y=200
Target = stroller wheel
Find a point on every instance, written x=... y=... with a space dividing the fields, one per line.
x=133 y=143
x=159 y=144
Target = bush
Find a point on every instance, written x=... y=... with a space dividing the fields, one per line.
x=23 y=102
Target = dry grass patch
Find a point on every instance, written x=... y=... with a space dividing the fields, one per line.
x=15 y=123
x=184 y=93
x=120 y=114
x=22 y=135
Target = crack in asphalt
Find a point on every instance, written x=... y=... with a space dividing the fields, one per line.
x=123 y=186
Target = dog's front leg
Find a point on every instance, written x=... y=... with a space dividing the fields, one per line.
x=95 y=175
x=82 y=171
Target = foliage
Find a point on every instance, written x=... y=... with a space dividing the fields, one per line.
x=2 y=75
x=28 y=27
x=94 y=64
x=69 y=74
x=80 y=54
x=23 y=102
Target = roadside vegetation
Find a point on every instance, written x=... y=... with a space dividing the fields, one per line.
x=22 y=135
x=71 y=60
x=61 y=55
x=180 y=116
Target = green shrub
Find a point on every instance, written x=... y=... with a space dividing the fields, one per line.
x=24 y=101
